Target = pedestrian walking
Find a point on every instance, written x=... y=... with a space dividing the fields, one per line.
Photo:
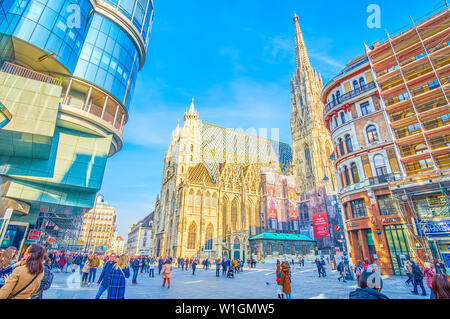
x=285 y=280
x=322 y=262
x=224 y=266
x=370 y=285
x=218 y=267
x=340 y=269
x=160 y=265
x=119 y=273
x=105 y=276
x=417 y=279
x=278 y=281
x=135 y=264
x=429 y=273
x=408 y=270
x=441 y=286
x=151 y=267
x=85 y=271
x=319 y=267
x=95 y=263
x=26 y=278
x=194 y=266
x=7 y=263
x=47 y=280
x=167 y=273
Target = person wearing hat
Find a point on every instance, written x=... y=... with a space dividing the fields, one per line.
x=370 y=285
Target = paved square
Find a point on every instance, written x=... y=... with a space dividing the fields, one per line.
x=256 y=283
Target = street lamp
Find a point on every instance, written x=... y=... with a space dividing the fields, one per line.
x=348 y=274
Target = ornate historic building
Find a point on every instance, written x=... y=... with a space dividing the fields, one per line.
x=312 y=148
x=311 y=141
x=210 y=197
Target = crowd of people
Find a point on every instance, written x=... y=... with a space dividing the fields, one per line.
x=30 y=275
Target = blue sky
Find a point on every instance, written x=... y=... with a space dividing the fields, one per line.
x=235 y=57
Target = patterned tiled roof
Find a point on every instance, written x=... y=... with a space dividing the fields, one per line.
x=222 y=145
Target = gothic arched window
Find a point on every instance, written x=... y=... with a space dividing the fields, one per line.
x=192 y=236
x=224 y=218
x=308 y=159
x=341 y=147
x=338 y=97
x=209 y=237
x=234 y=215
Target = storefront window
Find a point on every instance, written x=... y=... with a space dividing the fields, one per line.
x=399 y=247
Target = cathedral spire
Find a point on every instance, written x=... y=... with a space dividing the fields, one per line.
x=192 y=113
x=300 y=47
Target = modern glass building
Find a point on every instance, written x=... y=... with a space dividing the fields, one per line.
x=67 y=75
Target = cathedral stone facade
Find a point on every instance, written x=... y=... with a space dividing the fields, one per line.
x=210 y=197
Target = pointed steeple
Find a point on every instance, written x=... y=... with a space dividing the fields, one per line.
x=192 y=113
x=300 y=47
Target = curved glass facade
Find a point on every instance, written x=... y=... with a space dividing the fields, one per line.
x=45 y=24
x=109 y=59
x=139 y=12
x=89 y=45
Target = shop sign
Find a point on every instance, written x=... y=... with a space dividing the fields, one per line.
x=433 y=228
x=352 y=224
x=392 y=220
x=34 y=235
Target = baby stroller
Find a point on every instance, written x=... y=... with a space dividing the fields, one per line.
x=230 y=273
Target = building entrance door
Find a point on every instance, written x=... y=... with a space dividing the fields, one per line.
x=237 y=254
x=399 y=247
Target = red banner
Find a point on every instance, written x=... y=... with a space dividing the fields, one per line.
x=320 y=223
x=271 y=201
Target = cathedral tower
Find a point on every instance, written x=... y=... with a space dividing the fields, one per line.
x=310 y=139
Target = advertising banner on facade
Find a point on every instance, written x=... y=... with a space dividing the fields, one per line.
x=320 y=224
x=34 y=235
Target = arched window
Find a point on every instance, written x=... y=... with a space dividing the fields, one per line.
x=372 y=134
x=341 y=147
x=308 y=159
x=338 y=97
x=280 y=249
x=362 y=82
x=355 y=174
x=335 y=121
x=234 y=215
x=209 y=237
x=348 y=143
x=269 y=249
x=192 y=147
x=355 y=85
x=207 y=200
x=346 y=175
x=192 y=236
x=198 y=199
x=334 y=99
x=224 y=218
x=214 y=201
x=380 y=165
x=342 y=117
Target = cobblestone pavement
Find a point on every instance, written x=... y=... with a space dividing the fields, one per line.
x=256 y=283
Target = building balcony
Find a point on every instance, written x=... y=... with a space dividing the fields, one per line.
x=350 y=95
x=377 y=180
